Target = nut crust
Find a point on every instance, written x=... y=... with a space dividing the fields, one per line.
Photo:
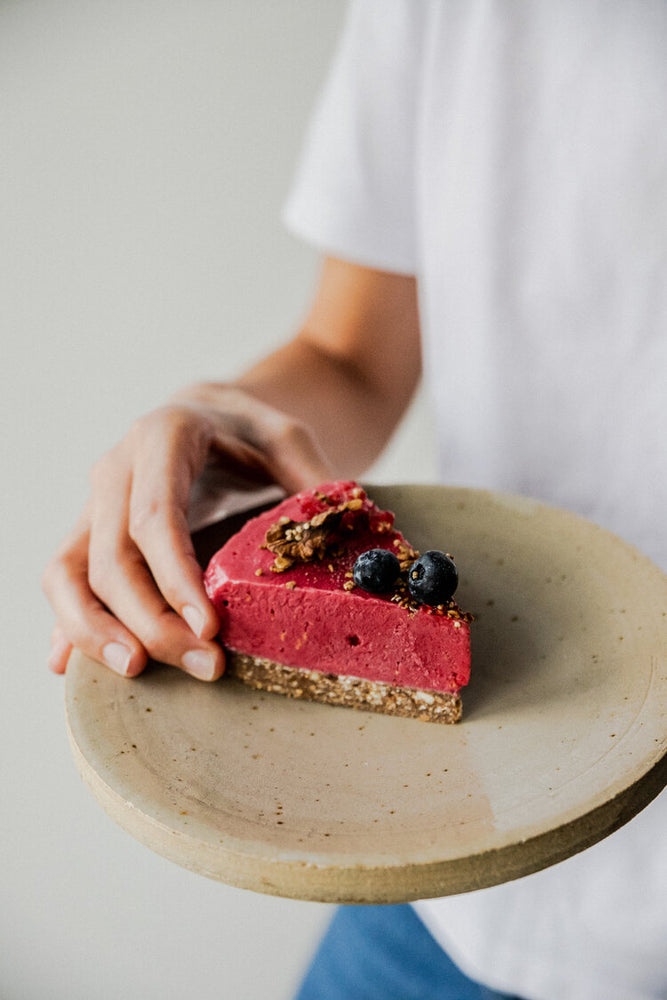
x=339 y=689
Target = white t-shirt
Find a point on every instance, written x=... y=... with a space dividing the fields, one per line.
x=513 y=155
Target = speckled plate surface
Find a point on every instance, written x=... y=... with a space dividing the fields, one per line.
x=562 y=740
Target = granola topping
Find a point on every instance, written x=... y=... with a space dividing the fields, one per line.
x=321 y=538
x=306 y=541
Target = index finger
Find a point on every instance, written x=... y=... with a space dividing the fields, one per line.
x=248 y=434
x=277 y=441
x=164 y=469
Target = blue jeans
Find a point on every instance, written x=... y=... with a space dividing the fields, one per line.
x=385 y=953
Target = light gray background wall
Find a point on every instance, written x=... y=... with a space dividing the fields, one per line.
x=145 y=151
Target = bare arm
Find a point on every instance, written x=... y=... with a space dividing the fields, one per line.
x=125 y=584
x=353 y=368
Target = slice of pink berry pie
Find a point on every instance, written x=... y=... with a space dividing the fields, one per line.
x=322 y=598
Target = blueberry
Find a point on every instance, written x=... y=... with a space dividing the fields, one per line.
x=432 y=579
x=376 y=571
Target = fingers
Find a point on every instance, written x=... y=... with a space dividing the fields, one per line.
x=157 y=519
x=130 y=593
x=280 y=442
x=170 y=449
x=108 y=605
x=82 y=619
x=293 y=454
x=127 y=578
x=60 y=651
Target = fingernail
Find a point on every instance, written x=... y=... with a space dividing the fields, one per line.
x=194 y=618
x=199 y=663
x=117 y=657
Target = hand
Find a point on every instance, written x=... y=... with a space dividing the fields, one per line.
x=125 y=584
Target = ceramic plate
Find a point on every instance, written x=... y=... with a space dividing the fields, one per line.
x=562 y=739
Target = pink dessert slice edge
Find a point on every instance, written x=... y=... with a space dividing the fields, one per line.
x=294 y=622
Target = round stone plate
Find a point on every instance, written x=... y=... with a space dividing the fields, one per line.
x=562 y=739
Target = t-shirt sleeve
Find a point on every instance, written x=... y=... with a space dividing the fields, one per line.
x=353 y=195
